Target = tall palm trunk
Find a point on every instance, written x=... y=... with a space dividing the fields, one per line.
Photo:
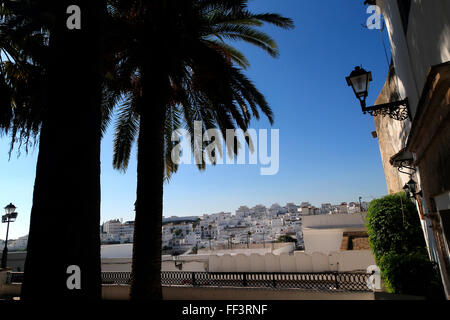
x=146 y=262
x=65 y=217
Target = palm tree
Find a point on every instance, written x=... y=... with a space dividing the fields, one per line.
x=66 y=200
x=183 y=71
x=22 y=77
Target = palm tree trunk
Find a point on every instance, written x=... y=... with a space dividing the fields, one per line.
x=146 y=262
x=65 y=217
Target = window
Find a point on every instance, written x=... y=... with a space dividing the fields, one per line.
x=404 y=6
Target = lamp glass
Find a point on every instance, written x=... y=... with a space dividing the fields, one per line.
x=360 y=85
x=359 y=81
x=10 y=208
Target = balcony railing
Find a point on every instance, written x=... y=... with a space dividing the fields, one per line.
x=322 y=281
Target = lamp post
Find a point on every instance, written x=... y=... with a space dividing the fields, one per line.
x=264 y=241
x=410 y=189
x=359 y=79
x=10 y=216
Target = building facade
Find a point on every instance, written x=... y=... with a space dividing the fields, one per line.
x=419 y=147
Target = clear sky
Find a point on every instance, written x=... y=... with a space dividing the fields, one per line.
x=327 y=152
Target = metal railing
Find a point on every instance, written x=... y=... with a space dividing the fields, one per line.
x=323 y=281
x=319 y=281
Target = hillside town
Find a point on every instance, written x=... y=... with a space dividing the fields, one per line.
x=19 y=244
x=223 y=230
x=255 y=225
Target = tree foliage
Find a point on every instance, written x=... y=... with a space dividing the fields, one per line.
x=397 y=241
x=393 y=225
x=285 y=238
x=410 y=273
x=205 y=71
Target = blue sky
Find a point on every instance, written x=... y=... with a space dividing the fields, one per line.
x=327 y=153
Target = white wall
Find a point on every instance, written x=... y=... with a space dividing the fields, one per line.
x=288 y=248
x=334 y=220
x=427 y=42
x=324 y=241
x=357 y=260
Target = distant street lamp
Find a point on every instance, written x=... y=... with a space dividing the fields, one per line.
x=10 y=216
x=359 y=80
x=264 y=241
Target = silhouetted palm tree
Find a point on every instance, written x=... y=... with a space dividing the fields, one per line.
x=183 y=71
x=22 y=76
x=62 y=105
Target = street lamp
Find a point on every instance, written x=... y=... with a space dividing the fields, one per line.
x=10 y=216
x=359 y=79
x=410 y=188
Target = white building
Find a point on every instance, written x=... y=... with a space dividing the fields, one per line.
x=276 y=222
x=17 y=244
x=343 y=208
x=112 y=226
x=258 y=210
x=116 y=231
x=353 y=208
x=291 y=207
x=275 y=209
x=243 y=211
x=324 y=233
x=419 y=35
x=326 y=208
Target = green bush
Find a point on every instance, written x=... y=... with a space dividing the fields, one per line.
x=285 y=238
x=397 y=242
x=410 y=273
x=392 y=229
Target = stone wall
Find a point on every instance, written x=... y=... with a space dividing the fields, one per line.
x=392 y=135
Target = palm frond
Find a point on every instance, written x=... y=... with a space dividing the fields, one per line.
x=126 y=128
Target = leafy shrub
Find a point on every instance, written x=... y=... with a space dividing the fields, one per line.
x=393 y=225
x=285 y=238
x=410 y=273
x=397 y=241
